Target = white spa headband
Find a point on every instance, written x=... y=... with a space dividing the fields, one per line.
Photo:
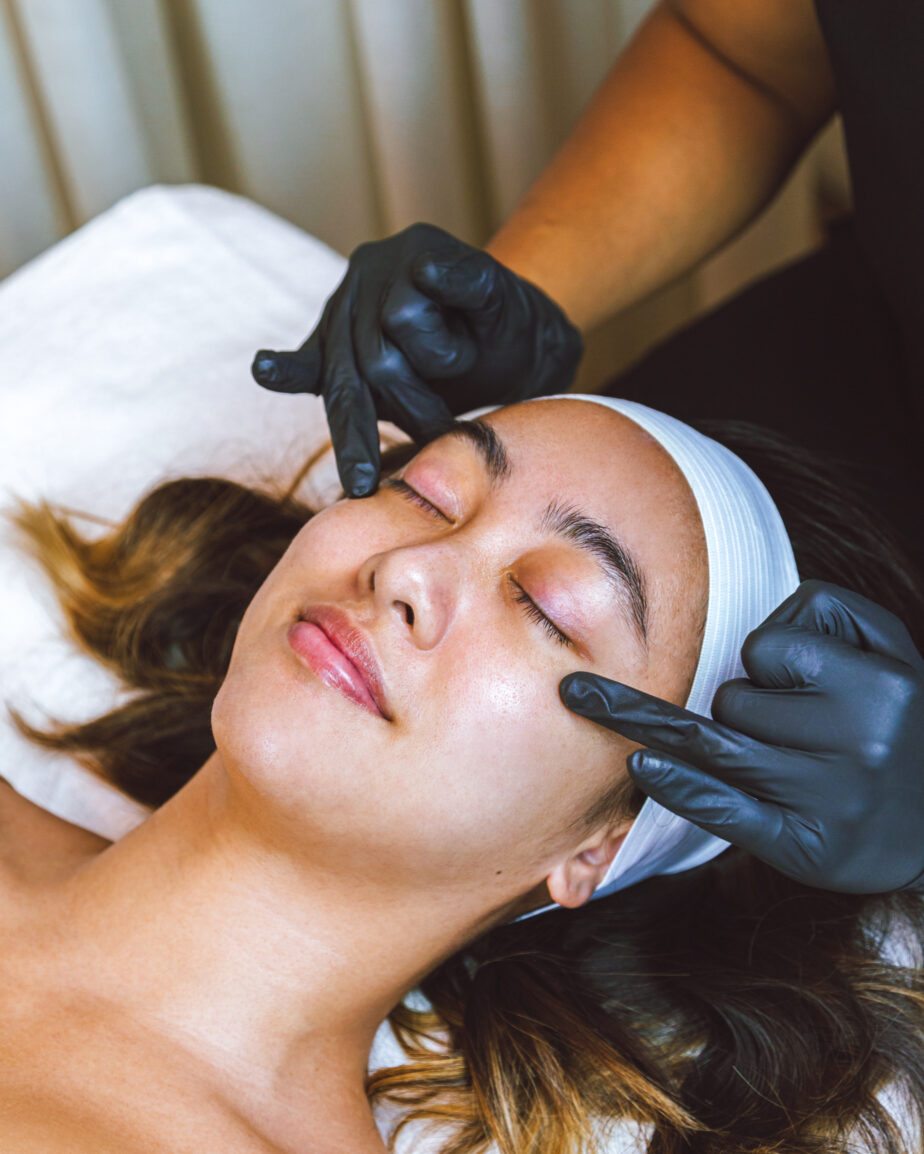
x=751 y=570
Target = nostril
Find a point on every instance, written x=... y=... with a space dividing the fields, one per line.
x=409 y=614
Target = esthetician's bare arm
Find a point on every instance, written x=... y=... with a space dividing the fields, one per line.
x=691 y=134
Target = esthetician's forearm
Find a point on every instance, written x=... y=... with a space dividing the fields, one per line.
x=677 y=152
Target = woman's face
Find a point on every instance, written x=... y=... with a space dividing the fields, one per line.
x=478 y=775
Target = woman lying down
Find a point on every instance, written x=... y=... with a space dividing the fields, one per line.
x=365 y=778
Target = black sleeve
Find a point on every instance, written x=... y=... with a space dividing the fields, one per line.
x=877 y=52
x=830 y=350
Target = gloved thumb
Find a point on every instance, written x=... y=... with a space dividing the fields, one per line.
x=289 y=372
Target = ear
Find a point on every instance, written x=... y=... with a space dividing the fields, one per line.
x=573 y=881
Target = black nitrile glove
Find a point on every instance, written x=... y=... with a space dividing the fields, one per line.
x=422 y=327
x=815 y=762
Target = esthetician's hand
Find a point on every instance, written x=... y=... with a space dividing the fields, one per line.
x=422 y=327
x=815 y=762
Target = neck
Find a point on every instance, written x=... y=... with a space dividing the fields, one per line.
x=269 y=972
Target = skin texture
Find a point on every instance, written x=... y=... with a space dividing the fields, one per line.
x=215 y=978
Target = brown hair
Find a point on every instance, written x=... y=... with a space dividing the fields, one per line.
x=729 y=1007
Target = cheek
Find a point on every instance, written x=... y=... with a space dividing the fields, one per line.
x=321 y=562
x=342 y=536
x=336 y=540
x=508 y=765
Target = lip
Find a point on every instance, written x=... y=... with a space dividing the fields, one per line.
x=342 y=656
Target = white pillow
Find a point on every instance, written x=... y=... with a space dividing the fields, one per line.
x=125 y=359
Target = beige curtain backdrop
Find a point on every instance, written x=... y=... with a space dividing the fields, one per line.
x=351 y=118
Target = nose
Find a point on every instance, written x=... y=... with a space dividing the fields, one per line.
x=417 y=587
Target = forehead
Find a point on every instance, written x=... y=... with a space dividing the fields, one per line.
x=586 y=453
x=584 y=442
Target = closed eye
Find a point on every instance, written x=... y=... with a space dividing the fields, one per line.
x=531 y=609
x=414 y=497
x=534 y=613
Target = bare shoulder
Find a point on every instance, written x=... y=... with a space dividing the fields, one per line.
x=37 y=847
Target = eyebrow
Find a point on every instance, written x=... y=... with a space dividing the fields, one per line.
x=617 y=562
x=620 y=566
x=488 y=445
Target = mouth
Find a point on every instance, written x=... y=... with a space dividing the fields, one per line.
x=330 y=643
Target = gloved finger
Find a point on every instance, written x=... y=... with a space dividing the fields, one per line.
x=289 y=372
x=854 y=619
x=659 y=724
x=711 y=804
x=719 y=752
x=399 y=393
x=816 y=686
x=414 y=407
x=470 y=282
x=797 y=719
x=790 y=657
x=351 y=412
x=436 y=345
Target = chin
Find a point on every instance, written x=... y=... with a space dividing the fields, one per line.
x=286 y=741
x=253 y=730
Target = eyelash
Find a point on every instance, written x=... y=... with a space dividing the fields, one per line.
x=532 y=610
x=412 y=495
x=534 y=613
